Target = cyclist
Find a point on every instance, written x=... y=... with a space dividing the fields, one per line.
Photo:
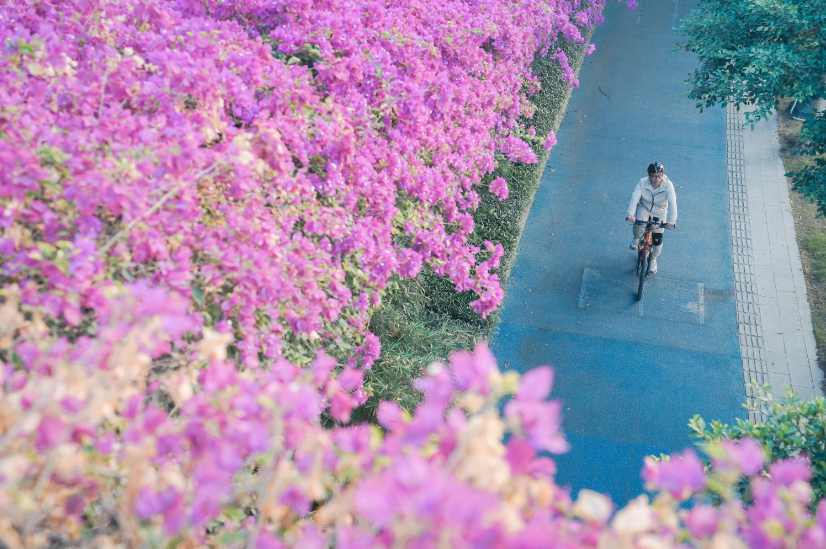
x=653 y=196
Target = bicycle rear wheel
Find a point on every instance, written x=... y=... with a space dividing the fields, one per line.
x=643 y=271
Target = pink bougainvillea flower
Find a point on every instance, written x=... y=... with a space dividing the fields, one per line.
x=536 y=384
x=473 y=370
x=341 y=404
x=787 y=471
x=389 y=415
x=746 y=455
x=550 y=141
x=350 y=379
x=681 y=475
x=520 y=455
x=703 y=520
x=539 y=419
x=499 y=187
x=50 y=433
x=296 y=499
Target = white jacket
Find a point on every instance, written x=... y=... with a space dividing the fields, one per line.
x=659 y=202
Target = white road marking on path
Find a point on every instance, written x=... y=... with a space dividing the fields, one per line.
x=674 y=19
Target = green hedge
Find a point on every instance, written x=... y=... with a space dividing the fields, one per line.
x=424 y=319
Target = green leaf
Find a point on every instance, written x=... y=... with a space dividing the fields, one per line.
x=47 y=250
x=24 y=48
x=235 y=513
x=198 y=295
x=233 y=537
x=175 y=542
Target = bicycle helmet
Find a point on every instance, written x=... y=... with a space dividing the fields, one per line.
x=656 y=167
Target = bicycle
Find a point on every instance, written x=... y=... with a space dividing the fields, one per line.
x=644 y=251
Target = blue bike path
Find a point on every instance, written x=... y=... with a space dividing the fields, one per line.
x=630 y=376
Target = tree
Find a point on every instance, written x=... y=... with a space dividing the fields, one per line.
x=754 y=52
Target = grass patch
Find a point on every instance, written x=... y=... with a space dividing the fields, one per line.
x=816 y=244
x=810 y=227
x=423 y=320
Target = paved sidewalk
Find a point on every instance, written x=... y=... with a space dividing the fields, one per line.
x=785 y=318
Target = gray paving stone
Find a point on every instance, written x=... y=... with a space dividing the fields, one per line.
x=787 y=299
x=766 y=289
x=817 y=373
x=806 y=393
x=771 y=323
x=781 y=260
x=799 y=280
x=764 y=274
x=790 y=319
x=776 y=362
x=785 y=283
x=773 y=343
x=762 y=257
x=811 y=344
x=760 y=243
x=768 y=305
x=800 y=373
x=794 y=343
x=778 y=381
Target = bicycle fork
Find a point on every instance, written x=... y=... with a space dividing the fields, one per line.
x=644 y=248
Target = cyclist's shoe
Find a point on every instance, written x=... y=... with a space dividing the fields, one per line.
x=652 y=268
x=634 y=244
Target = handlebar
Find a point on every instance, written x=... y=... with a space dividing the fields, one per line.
x=654 y=224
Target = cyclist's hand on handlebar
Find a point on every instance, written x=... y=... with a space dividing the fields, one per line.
x=631 y=218
x=671 y=224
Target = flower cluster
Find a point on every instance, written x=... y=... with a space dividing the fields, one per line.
x=275 y=162
x=243 y=461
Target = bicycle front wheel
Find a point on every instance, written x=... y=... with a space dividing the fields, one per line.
x=643 y=271
x=640 y=261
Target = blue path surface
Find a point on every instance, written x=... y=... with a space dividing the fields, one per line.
x=629 y=382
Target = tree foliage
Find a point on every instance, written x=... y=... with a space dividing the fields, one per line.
x=752 y=53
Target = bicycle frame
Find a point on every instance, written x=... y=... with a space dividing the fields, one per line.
x=644 y=248
x=645 y=244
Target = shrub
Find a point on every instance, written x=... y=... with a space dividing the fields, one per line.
x=792 y=428
x=274 y=162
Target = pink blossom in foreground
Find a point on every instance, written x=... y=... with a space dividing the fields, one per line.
x=681 y=475
x=746 y=456
x=242 y=442
x=789 y=471
x=703 y=521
